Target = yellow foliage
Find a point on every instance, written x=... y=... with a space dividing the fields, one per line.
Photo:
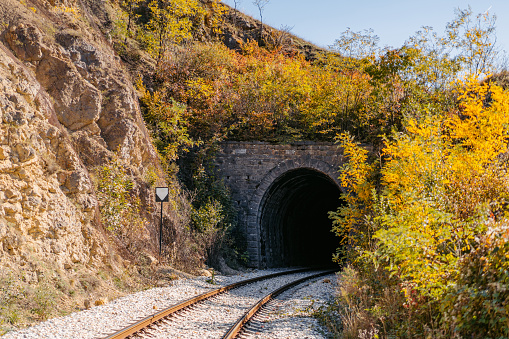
x=171 y=22
x=199 y=89
x=443 y=190
x=442 y=180
x=217 y=11
x=167 y=122
x=73 y=11
x=356 y=178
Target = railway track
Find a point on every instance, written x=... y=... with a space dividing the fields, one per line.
x=236 y=330
x=221 y=313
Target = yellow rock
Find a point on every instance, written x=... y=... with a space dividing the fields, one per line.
x=100 y=301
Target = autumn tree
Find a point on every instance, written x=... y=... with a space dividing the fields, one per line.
x=357 y=45
x=280 y=38
x=474 y=37
x=171 y=22
x=130 y=6
x=167 y=122
x=260 y=4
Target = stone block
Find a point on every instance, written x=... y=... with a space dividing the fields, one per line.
x=251 y=244
x=252 y=237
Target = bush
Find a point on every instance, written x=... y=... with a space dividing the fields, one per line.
x=430 y=222
x=477 y=305
x=119 y=205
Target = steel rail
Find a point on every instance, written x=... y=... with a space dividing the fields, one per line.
x=143 y=323
x=235 y=330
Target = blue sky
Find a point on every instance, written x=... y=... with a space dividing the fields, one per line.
x=322 y=21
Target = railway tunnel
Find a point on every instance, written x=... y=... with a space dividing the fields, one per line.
x=295 y=229
x=283 y=193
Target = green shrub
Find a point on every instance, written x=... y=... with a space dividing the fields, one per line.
x=120 y=207
x=477 y=305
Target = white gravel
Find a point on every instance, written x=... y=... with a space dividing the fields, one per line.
x=290 y=315
x=212 y=318
x=99 y=321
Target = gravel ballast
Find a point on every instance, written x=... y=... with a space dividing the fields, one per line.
x=99 y=321
x=290 y=315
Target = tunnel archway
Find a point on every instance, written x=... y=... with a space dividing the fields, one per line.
x=293 y=219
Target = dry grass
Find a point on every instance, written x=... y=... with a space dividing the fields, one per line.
x=39 y=290
x=357 y=311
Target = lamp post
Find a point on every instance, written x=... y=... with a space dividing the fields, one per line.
x=161 y=196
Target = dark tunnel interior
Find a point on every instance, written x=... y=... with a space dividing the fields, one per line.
x=295 y=227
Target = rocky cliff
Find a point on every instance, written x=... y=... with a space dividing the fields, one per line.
x=66 y=104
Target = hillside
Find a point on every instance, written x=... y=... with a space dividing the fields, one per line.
x=67 y=104
x=238 y=28
x=221 y=24
x=71 y=124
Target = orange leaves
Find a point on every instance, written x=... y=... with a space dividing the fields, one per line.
x=298 y=99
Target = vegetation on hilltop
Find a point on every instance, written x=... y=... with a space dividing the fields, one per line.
x=198 y=93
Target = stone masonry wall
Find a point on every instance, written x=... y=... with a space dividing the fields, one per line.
x=249 y=169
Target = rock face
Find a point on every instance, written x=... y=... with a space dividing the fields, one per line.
x=66 y=104
x=238 y=28
x=47 y=204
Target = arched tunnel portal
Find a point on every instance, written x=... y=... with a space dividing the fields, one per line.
x=295 y=229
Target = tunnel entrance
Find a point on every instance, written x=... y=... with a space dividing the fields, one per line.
x=294 y=223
